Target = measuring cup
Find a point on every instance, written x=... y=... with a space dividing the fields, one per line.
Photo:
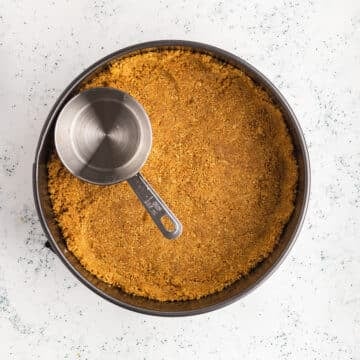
x=103 y=136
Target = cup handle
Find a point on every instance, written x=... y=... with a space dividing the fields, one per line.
x=155 y=206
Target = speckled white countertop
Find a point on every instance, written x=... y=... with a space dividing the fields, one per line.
x=310 y=307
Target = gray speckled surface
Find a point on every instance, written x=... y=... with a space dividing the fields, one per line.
x=310 y=308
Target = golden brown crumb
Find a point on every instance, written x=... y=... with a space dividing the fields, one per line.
x=221 y=158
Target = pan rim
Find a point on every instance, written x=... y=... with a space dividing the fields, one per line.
x=200 y=47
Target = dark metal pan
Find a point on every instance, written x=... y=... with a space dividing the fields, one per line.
x=178 y=308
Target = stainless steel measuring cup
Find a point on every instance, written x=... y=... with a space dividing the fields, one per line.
x=103 y=136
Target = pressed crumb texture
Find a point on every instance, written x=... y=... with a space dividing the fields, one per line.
x=222 y=159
